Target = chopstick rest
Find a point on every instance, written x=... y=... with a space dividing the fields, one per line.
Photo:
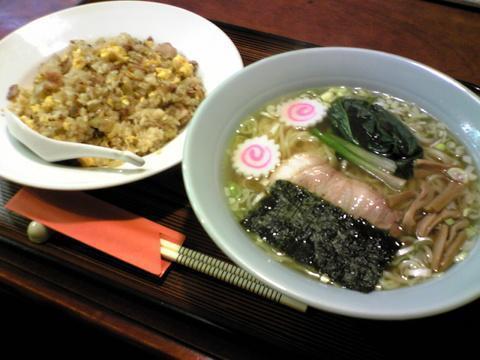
x=224 y=271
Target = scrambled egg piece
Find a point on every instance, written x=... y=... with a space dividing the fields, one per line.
x=48 y=103
x=186 y=69
x=113 y=53
x=38 y=79
x=182 y=66
x=148 y=62
x=181 y=69
x=28 y=121
x=163 y=73
x=125 y=101
x=78 y=61
x=35 y=108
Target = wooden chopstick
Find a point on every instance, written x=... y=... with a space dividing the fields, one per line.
x=223 y=265
x=218 y=269
x=224 y=271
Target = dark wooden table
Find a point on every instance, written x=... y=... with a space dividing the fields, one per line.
x=63 y=292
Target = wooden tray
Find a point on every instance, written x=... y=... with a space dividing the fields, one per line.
x=196 y=313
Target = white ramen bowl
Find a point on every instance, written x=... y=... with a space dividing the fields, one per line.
x=217 y=118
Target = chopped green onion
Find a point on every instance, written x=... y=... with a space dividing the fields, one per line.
x=233 y=190
x=458 y=174
x=471 y=231
x=440 y=147
x=327 y=97
x=449 y=221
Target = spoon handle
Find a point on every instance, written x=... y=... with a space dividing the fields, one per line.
x=75 y=151
x=56 y=150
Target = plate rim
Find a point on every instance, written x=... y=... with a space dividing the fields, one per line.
x=180 y=138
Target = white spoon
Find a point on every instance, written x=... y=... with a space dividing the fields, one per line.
x=56 y=150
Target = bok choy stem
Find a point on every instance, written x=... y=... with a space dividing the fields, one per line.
x=379 y=167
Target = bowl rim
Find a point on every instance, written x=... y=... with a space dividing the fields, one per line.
x=201 y=210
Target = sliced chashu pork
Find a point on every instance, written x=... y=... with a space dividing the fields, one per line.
x=355 y=197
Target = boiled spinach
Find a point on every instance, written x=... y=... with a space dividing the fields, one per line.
x=377 y=130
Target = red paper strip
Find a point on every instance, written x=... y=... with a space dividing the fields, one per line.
x=98 y=224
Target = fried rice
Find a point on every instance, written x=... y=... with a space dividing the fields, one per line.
x=120 y=92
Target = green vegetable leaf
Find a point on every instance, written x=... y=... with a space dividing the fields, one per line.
x=377 y=166
x=376 y=130
x=339 y=119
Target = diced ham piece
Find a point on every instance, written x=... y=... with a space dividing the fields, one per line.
x=13 y=91
x=166 y=50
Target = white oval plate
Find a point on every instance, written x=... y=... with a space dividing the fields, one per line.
x=24 y=50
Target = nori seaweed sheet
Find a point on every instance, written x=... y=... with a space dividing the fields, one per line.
x=352 y=252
